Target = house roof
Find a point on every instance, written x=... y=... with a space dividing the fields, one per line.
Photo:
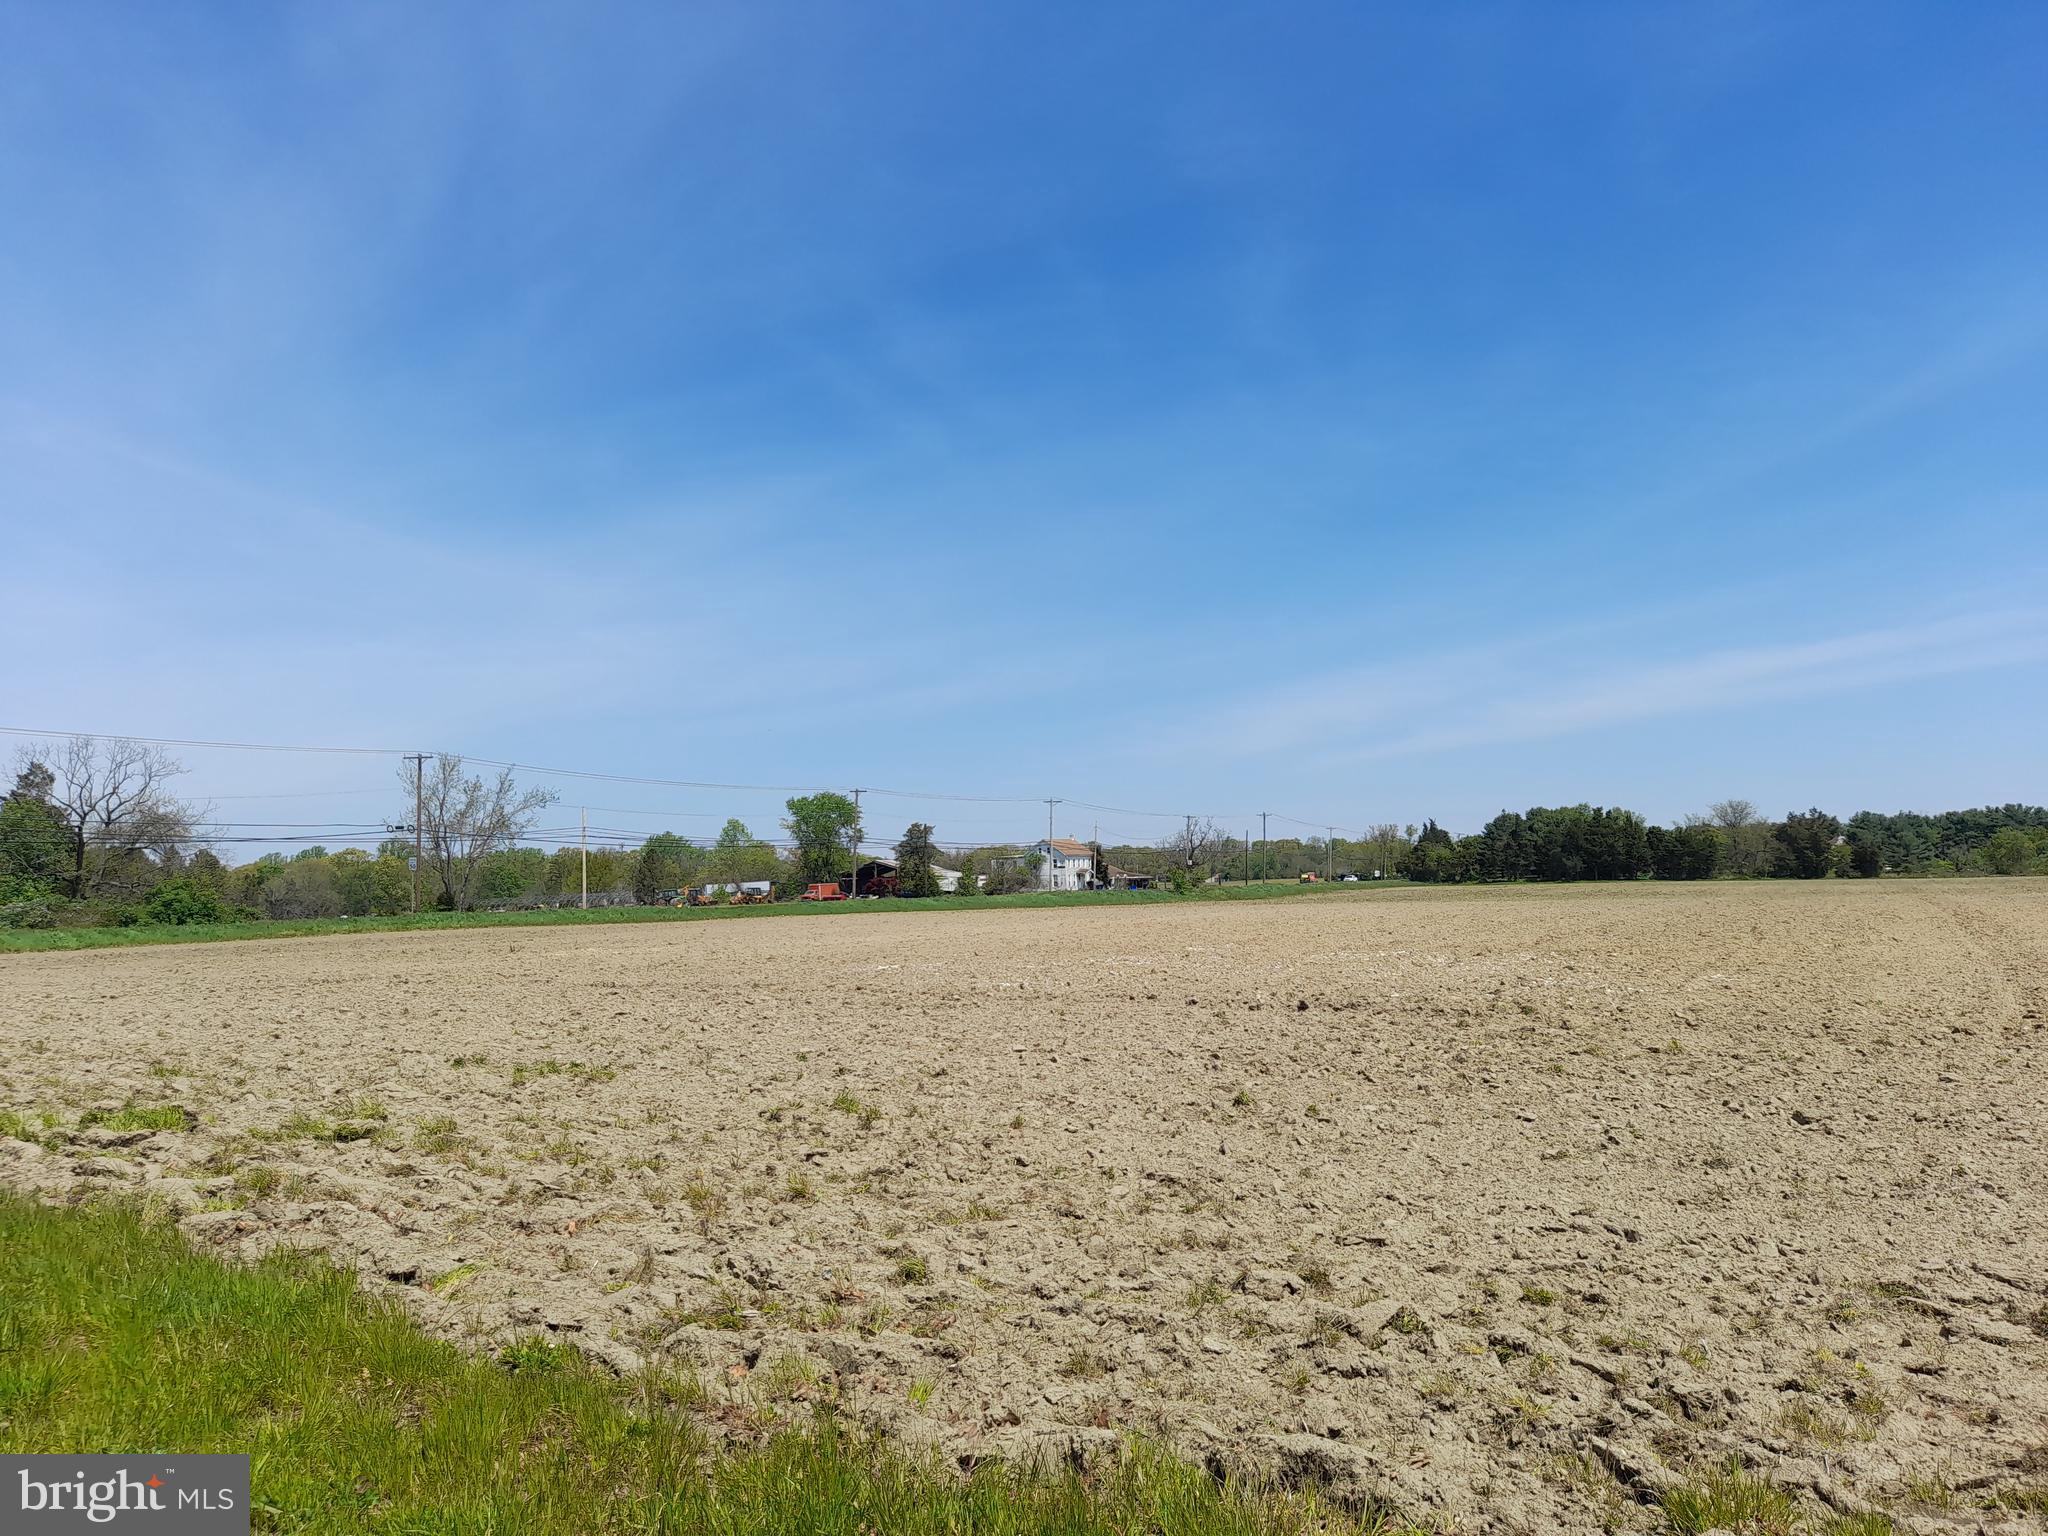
x=1071 y=848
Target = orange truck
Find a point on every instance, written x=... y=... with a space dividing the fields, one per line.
x=823 y=890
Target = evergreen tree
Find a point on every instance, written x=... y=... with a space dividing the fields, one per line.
x=1805 y=844
x=914 y=873
x=1432 y=858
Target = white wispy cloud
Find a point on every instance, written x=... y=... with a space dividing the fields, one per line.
x=1554 y=685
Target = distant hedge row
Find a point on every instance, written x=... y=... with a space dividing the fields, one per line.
x=1586 y=842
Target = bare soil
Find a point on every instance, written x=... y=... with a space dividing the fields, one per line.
x=1506 y=1207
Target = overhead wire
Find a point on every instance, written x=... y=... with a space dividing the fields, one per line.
x=619 y=778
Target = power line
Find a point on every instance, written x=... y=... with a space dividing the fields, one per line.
x=1315 y=826
x=623 y=778
x=933 y=794
x=225 y=746
x=298 y=794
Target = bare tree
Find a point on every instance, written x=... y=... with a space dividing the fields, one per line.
x=1731 y=814
x=1199 y=842
x=1387 y=845
x=111 y=793
x=1749 y=846
x=465 y=820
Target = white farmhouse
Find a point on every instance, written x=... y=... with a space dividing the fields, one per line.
x=1065 y=865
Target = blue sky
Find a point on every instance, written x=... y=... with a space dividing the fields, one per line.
x=1358 y=413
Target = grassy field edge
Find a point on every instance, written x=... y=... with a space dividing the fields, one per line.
x=116 y=1335
x=35 y=940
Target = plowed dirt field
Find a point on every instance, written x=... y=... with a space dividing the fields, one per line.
x=1504 y=1206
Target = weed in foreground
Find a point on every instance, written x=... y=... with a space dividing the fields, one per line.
x=1731 y=1499
x=847 y=1103
x=1739 y=1501
x=439 y=1133
x=15 y=1126
x=136 y=1117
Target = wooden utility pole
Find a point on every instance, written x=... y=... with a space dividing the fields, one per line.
x=1330 y=854
x=854 y=878
x=584 y=840
x=419 y=770
x=1265 y=864
x=1247 y=857
x=1045 y=869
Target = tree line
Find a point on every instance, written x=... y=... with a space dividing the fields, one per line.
x=1589 y=842
x=92 y=834
x=1586 y=842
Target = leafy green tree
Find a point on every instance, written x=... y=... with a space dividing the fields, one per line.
x=826 y=829
x=1806 y=845
x=246 y=881
x=611 y=870
x=967 y=886
x=356 y=883
x=511 y=873
x=1464 y=861
x=2008 y=852
x=1866 y=859
x=33 y=838
x=915 y=875
x=660 y=868
x=739 y=855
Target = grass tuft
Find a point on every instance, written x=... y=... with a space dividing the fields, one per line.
x=1731 y=1499
x=136 y=1117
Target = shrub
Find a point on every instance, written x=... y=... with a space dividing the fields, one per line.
x=2008 y=852
x=181 y=900
x=26 y=903
x=301 y=890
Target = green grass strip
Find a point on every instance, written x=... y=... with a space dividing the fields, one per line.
x=33 y=939
x=115 y=1335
